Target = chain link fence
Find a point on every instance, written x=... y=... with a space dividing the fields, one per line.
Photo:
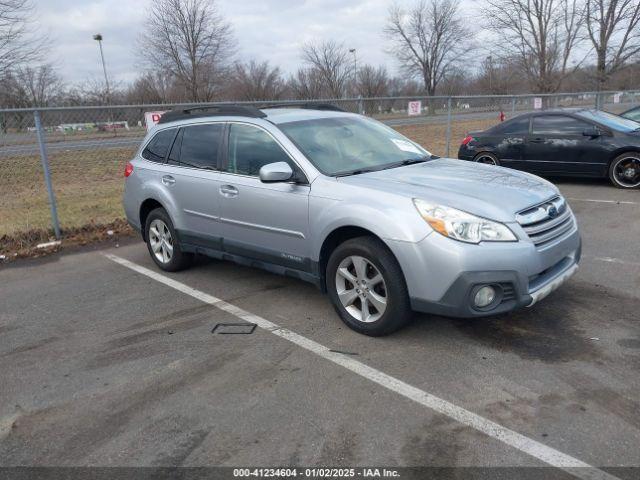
x=80 y=152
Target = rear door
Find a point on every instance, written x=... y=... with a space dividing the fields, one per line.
x=510 y=141
x=265 y=221
x=193 y=180
x=557 y=145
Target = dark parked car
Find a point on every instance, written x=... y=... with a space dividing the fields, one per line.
x=576 y=142
x=632 y=114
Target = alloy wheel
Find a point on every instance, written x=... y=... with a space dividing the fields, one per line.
x=161 y=241
x=626 y=172
x=361 y=289
x=486 y=159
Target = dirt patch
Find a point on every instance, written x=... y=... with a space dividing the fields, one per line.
x=24 y=245
x=433 y=136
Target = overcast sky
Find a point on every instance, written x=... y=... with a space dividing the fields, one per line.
x=271 y=30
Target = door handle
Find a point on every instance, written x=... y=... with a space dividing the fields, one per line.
x=228 y=191
x=536 y=140
x=168 y=180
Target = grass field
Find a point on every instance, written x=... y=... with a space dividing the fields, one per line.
x=88 y=183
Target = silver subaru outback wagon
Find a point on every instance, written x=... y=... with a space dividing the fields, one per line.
x=347 y=203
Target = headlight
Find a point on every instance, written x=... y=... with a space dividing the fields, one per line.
x=462 y=225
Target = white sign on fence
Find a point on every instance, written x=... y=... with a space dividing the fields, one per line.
x=616 y=97
x=414 y=108
x=152 y=118
x=537 y=103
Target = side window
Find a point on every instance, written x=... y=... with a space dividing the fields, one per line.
x=516 y=126
x=197 y=146
x=558 y=125
x=157 y=148
x=250 y=148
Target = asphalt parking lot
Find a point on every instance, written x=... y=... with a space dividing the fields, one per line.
x=102 y=364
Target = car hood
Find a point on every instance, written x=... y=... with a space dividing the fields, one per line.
x=497 y=193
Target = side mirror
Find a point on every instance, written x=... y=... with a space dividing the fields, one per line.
x=591 y=132
x=276 y=172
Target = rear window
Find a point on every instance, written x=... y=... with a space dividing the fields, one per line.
x=159 y=145
x=197 y=146
x=515 y=126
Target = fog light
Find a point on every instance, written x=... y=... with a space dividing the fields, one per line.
x=484 y=296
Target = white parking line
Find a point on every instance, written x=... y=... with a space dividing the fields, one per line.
x=520 y=442
x=593 y=200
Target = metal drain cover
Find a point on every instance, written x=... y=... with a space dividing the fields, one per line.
x=234 y=328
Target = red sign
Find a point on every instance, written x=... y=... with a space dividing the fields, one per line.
x=152 y=118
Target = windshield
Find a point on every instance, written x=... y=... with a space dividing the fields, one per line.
x=610 y=120
x=348 y=145
x=633 y=114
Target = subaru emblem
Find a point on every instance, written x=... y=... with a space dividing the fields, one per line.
x=552 y=211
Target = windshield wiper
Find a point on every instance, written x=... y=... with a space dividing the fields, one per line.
x=402 y=163
x=408 y=161
x=355 y=172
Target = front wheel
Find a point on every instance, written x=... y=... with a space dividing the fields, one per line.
x=163 y=244
x=367 y=287
x=624 y=171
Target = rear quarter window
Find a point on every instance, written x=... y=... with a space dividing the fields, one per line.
x=157 y=149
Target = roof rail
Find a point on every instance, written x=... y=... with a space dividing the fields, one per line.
x=306 y=105
x=210 y=111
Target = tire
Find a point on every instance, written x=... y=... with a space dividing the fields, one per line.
x=621 y=168
x=487 y=158
x=162 y=242
x=390 y=306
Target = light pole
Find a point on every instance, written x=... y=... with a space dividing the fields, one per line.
x=355 y=64
x=490 y=60
x=98 y=38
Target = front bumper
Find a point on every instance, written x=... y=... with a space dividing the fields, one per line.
x=442 y=274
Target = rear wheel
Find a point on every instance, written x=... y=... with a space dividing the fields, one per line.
x=163 y=244
x=367 y=287
x=486 y=158
x=624 y=171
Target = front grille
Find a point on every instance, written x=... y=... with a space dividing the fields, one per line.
x=542 y=225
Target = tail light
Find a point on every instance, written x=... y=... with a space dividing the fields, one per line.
x=467 y=139
x=128 y=169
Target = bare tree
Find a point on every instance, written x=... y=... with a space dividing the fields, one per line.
x=153 y=87
x=499 y=76
x=192 y=41
x=18 y=43
x=256 y=81
x=306 y=84
x=428 y=39
x=372 y=81
x=332 y=65
x=614 y=31
x=93 y=91
x=540 y=34
x=40 y=86
x=455 y=82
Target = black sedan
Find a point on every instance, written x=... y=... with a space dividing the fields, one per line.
x=575 y=142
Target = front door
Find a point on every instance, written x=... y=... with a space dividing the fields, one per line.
x=557 y=144
x=265 y=221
